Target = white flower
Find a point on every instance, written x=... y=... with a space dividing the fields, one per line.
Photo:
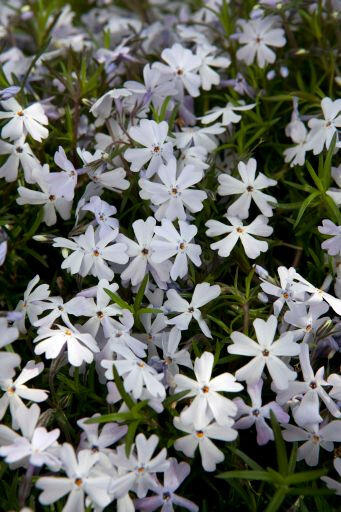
x=322 y=130
x=141 y=253
x=306 y=320
x=100 y=312
x=23 y=121
x=265 y=353
x=183 y=65
x=152 y=136
x=285 y=292
x=296 y=154
x=331 y=483
x=83 y=479
x=102 y=107
x=63 y=183
x=14 y=391
x=94 y=439
x=256 y=414
x=169 y=243
x=174 y=193
x=252 y=246
x=19 y=153
x=172 y=357
x=96 y=167
x=208 y=59
x=250 y=188
x=136 y=373
x=210 y=454
x=203 y=137
x=311 y=390
x=208 y=402
x=33 y=303
x=140 y=466
x=155 y=89
x=36 y=446
x=314 y=437
x=203 y=293
x=48 y=197
x=91 y=253
x=8 y=361
x=103 y=212
x=7 y=334
x=80 y=346
x=256 y=36
x=317 y=294
x=228 y=113
x=332 y=245
x=120 y=335
x=335 y=380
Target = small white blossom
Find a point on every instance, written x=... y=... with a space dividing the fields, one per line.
x=266 y=352
x=249 y=188
x=237 y=231
x=203 y=293
x=23 y=121
x=175 y=192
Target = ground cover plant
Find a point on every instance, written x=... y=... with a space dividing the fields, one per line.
x=170 y=255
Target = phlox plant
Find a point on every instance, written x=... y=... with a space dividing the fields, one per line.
x=170 y=255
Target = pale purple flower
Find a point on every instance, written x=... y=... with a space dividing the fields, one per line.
x=165 y=496
x=256 y=414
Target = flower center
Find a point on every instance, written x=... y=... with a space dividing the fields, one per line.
x=191 y=310
x=205 y=389
x=199 y=433
x=308 y=327
x=78 y=482
x=100 y=314
x=179 y=71
x=140 y=469
x=144 y=252
x=11 y=390
x=166 y=496
x=52 y=197
x=20 y=113
x=182 y=246
x=68 y=332
x=285 y=295
x=315 y=438
x=96 y=252
x=174 y=191
x=249 y=188
x=258 y=39
x=156 y=149
x=141 y=364
x=239 y=229
x=328 y=123
x=313 y=385
x=265 y=353
x=255 y=412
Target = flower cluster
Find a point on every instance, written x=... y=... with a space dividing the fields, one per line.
x=140 y=149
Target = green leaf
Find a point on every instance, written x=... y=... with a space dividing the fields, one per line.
x=282 y=459
x=276 y=501
x=174 y=398
x=305 y=205
x=130 y=436
x=314 y=177
x=153 y=311
x=293 y=458
x=140 y=293
x=305 y=476
x=114 y=416
x=246 y=475
x=250 y=462
x=117 y=299
x=119 y=384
